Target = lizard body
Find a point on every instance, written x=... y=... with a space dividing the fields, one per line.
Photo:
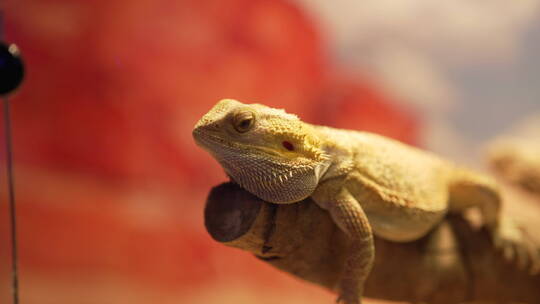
x=368 y=183
x=400 y=206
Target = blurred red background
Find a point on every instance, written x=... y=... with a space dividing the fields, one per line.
x=110 y=186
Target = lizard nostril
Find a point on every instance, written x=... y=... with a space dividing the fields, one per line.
x=212 y=127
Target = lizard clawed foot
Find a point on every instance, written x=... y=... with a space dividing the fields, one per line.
x=516 y=245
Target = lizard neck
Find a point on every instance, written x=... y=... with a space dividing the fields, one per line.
x=337 y=145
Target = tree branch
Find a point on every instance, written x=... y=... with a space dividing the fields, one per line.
x=454 y=263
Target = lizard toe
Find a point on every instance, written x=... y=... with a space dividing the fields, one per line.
x=508 y=251
x=534 y=268
x=522 y=256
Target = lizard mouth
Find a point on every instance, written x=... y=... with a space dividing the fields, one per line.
x=206 y=140
x=211 y=143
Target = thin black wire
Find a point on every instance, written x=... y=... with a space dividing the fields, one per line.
x=11 y=195
x=11 y=188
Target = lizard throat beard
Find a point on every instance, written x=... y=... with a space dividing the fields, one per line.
x=270 y=179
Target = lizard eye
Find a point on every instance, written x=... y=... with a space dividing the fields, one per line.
x=243 y=121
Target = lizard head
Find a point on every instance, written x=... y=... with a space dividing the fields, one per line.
x=267 y=151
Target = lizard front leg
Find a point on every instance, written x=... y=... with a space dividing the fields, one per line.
x=347 y=213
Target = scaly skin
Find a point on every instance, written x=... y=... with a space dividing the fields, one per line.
x=369 y=184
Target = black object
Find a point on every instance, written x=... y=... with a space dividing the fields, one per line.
x=11 y=68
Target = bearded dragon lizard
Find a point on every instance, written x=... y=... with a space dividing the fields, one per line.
x=368 y=183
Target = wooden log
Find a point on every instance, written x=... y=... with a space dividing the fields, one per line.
x=454 y=263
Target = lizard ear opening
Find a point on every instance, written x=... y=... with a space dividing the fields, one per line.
x=288 y=145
